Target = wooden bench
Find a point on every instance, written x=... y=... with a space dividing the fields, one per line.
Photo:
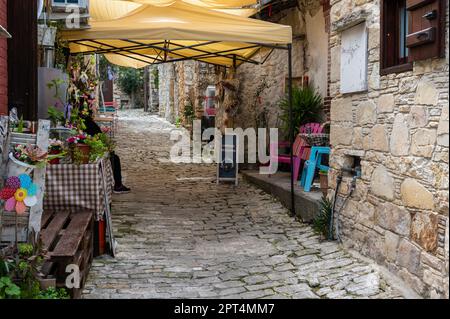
x=68 y=238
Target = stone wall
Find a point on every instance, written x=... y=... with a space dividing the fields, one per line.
x=184 y=83
x=398 y=214
x=263 y=86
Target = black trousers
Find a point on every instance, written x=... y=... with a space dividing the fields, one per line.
x=117 y=169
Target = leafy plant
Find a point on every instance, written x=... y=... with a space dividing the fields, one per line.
x=52 y=293
x=306 y=108
x=25 y=250
x=8 y=289
x=97 y=148
x=321 y=224
x=178 y=122
x=189 y=113
x=107 y=141
x=32 y=155
x=20 y=125
x=55 y=115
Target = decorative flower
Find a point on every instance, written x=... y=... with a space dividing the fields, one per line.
x=13 y=182
x=20 y=192
x=76 y=139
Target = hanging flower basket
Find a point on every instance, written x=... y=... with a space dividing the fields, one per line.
x=16 y=167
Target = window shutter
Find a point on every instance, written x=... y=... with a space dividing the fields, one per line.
x=426 y=34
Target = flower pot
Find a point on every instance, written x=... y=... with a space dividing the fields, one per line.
x=84 y=152
x=55 y=160
x=16 y=167
x=324 y=183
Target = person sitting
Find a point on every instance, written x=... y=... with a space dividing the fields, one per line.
x=92 y=129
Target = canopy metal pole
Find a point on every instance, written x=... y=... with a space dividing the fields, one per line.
x=291 y=128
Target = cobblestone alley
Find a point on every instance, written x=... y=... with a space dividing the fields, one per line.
x=182 y=236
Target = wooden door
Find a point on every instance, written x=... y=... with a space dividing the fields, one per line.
x=22 y=57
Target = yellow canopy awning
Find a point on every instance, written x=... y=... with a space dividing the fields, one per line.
x=177 y=31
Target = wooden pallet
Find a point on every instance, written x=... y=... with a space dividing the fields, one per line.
x=69 y=239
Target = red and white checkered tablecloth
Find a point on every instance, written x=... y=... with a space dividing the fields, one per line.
x=71 y=187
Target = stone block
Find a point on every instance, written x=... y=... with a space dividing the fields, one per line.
x=424 y=230
x=426 y=94
x=418 y=116
x=443 y=128
x=386 y=103
x=366 y=113
x=415 y=195
x=378 y=138
x=382 y=183
x=341 y=110
x=391 y=241
x=409 y=256
x=400 y=138
x=394 y=218
x=357 y=138
x=423 y=142
x=340 y=135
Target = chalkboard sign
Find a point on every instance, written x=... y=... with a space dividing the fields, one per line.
x=227 y=167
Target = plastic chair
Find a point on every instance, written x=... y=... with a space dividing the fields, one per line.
x=300 y=148
x=311 y=165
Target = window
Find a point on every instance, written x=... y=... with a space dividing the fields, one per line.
x=81 y=3
x=394 y=30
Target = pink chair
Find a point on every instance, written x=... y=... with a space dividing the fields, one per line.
x=300 y=147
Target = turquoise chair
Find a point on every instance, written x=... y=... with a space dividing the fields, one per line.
x=312 y=164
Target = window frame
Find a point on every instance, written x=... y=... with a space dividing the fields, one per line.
x=399 y=68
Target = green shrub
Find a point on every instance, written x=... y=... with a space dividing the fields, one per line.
x=306 y=108
x=52 y=293
x=321 y=224
x=8 y=289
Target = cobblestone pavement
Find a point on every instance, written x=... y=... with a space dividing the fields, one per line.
x=182 y=236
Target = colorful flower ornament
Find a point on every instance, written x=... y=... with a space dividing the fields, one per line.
x=20 y=192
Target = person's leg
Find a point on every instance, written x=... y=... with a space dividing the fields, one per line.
x=117 y=169
x=117 y=172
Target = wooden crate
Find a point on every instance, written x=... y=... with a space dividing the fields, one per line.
x=69 y=239
x=8 y=227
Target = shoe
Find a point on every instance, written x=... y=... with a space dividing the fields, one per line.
x=121 y=190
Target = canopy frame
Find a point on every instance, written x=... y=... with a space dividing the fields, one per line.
x=228 y=54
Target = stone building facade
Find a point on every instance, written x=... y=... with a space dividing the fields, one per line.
x=398 y=128
x=263 y=86
x=181 y=84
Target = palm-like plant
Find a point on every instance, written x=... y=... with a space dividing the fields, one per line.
x=306 y=108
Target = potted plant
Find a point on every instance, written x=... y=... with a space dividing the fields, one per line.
x=55 y=116
x=55 y=151
x=306 y=107
x=97 y=149
x=323 y=176
x=24 y=158
x=80 y=151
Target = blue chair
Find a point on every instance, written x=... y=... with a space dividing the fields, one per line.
x=312 y=164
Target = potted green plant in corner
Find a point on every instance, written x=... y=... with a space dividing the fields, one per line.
x=323 y=177
x=306 y=108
